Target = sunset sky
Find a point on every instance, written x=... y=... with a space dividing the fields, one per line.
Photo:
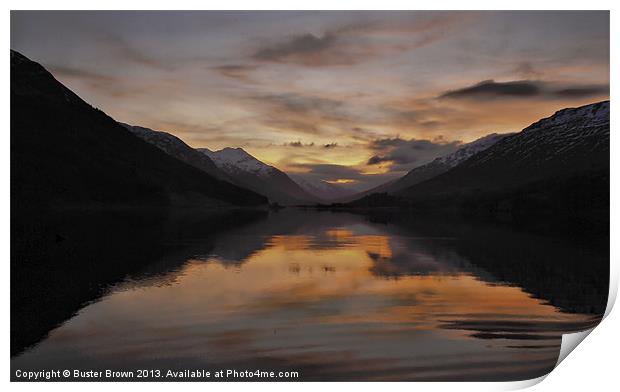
x=351 y=97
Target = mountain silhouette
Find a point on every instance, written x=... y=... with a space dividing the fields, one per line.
x=66 y=153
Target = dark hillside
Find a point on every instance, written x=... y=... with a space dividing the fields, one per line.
x=66 y=153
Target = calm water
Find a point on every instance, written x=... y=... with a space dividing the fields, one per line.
x=337 y=296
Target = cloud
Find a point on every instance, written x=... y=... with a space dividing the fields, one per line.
x=354 y=43
x=339 y=116
x=301 y=103
x=490 y=89
x=525 y=69
x=299 y=144
x=334 y=48
x=300 y=45
x=300 y=113
x=110 y=85
x=130 y=53
x=376 y=159
x=83 y=74
x=403 y=155
x=582 y=91
x=235 y=71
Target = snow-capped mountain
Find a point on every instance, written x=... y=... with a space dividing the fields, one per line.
x=565 y=145
x=469 y=149
x=249 y=172
x=322 y=189
x=237 y=160
x=596 y=113
x=567 y=134
x=176 y=147
x=434 y=168
x=443 y=164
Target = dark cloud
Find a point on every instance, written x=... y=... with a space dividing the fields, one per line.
x=376 y=159
x=301 y=103
x=235 y=67
x=403 y=155
x=301 y=45
x=353 y=43
x=334 y=48
x=490 y=89
x=299 y=144
x=525 y=69
x=414 y=144
x=431 y=124
x=582 y=91
x=235 y=71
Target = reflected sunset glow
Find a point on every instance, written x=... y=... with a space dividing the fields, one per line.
x=311 y=300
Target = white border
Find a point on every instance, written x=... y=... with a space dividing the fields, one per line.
x=592 y=366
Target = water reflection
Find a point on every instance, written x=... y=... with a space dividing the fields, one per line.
x=335 y=296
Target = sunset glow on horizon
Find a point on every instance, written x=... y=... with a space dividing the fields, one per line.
x=352 y=98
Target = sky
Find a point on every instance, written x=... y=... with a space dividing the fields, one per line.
x=354 y=98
